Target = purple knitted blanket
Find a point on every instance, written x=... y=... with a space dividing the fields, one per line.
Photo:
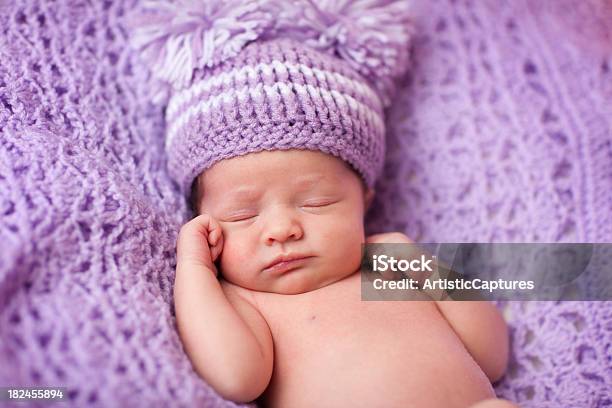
x=502 y=132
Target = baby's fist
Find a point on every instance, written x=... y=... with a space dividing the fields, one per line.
x=200 y=242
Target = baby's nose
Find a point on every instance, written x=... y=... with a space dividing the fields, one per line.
x=283 y=227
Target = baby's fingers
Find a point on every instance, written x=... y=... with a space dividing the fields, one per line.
x=192 y=244
x=214 y=235
x=215 y=238
x=217 y=248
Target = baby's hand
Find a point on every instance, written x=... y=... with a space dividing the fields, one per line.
x=200 y=242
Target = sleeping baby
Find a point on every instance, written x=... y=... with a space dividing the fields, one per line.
x=286 y=321
x=276 y=129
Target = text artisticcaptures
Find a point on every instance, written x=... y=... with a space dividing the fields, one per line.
x=486 y=271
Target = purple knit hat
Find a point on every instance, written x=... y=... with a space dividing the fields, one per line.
x=242 y=76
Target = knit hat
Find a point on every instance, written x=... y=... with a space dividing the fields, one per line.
x=245 y=76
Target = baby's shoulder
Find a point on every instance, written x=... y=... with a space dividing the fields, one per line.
x=236 y=293
x=228 y=286
x=245 y=303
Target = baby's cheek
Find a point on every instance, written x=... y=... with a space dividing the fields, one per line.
x=345 y=243
x=355 y=243
x=231 y=254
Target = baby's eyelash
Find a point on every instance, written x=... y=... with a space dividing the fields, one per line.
x=319 y=203
x=241 y=218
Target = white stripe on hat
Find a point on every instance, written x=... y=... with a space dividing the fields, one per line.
x=184 y=96
x=243 y=93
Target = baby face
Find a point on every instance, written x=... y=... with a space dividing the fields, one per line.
x=292 y=220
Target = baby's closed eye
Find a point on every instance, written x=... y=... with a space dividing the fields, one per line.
x=319 y=203
x=322 y=202
x=250 y=215
x=239 y=216
x=311 y=203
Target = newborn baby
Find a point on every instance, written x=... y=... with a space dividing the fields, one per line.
x=286 y=322
x=277 y=110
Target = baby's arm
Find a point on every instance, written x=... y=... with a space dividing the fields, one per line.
x=478 y=324
x=228 y=343
x=483 y=331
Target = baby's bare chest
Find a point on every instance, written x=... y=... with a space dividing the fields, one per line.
x=331 y=341
x=336 y=315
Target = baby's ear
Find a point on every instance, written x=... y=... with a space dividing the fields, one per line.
x=369 y=196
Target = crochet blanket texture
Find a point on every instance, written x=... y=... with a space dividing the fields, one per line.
x=501 y=133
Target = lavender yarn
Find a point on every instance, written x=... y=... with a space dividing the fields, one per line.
x=275 y=95
x=501 y=132
x=315 y=75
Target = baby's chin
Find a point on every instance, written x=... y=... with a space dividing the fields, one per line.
x=293 y=283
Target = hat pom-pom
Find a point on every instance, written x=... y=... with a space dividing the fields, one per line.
x=175 y=38
x=372 y=36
